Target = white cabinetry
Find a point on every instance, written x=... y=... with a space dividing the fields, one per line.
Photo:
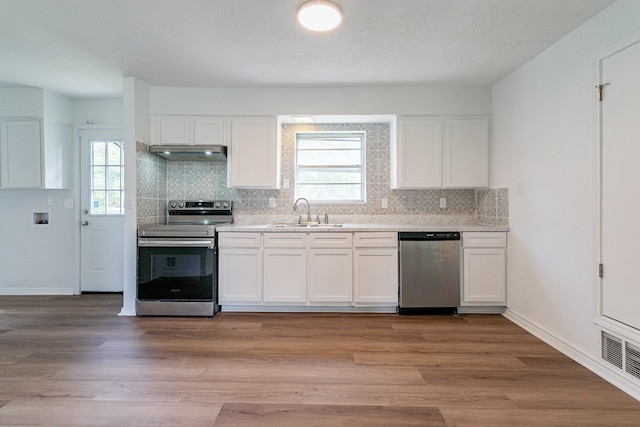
x=375 y=268
x=416 y=156
x=254 y=153
x=188 y=130
x=484 y=281
x=240 y=268
x=330 y=267
x=440 y=153
x=285 y=267
x=466 y=153
x=30 y=158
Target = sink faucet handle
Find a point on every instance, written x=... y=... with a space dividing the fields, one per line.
x=318 y=218
x=326 y=218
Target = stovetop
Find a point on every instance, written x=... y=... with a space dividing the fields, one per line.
x=191 y=218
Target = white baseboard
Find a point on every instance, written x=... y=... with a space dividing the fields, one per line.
x=597 y=366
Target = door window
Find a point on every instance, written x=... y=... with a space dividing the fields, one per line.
x=107 y=177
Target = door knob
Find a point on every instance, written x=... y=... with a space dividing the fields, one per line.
x=84 y=223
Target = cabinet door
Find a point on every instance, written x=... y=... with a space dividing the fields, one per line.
x=375 y=276
x=330 y=275
x=466 y=153
x=171 y=130
x=484 y=277
x=20 y=154
x=254 y=154
x=285 y=275
x=240 y=275
x=418 y=154
x=209 y=131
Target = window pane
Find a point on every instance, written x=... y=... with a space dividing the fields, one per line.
x=98 y=205
x=309 y=176
x=113 y=177
x=320 y=143
x=98 y=178
x=330 y=166
x=331 y=192
x=113 y=202
x=329 y=157
x=98 y=148
x=114 y=153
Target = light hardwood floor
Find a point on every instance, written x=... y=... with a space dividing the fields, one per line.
x=71 y=361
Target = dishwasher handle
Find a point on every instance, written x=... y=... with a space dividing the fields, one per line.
x=429 y=235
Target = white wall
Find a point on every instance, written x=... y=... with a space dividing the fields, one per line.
x=322 y=100
x=544 y=137
x=43 y=259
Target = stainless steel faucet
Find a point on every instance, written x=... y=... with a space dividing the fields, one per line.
x=295 y=207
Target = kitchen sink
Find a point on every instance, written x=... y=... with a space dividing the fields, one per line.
x=303 y=225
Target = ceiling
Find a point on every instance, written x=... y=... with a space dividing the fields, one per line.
x=83 y=48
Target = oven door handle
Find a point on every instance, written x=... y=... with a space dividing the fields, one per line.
x=176 y=243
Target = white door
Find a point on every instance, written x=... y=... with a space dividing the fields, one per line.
x=620 y=202
x=102 y=211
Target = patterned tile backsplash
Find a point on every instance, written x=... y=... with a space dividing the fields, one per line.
x=160 y=180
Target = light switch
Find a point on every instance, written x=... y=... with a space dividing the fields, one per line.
x=68 y=203
x=285 y=183
x=443 y=202
x=272 y=202
x=384 y=204
x=50 y=201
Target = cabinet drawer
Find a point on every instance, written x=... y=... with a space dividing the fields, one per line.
x=483 y=239
x=285 y=240
x=239 y=240
x=375 y=239
x=330 y=240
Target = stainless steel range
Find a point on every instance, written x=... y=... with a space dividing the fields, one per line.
x=177 y=261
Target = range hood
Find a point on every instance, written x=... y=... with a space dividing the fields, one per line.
x=191 y=153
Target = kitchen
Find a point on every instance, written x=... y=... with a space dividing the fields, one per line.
x=550 y=177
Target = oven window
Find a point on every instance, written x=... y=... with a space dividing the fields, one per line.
x=176 y=273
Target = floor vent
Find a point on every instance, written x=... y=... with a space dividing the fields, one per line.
x=632 y=360
x=612 y=350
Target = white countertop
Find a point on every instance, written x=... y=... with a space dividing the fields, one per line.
x=270 y=228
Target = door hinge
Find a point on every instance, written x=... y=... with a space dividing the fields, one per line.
x=600 y=89
x=601 y=270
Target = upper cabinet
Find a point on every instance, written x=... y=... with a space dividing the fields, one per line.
x=188 y=130
x=440 y=153
x=33 y=155
x=253 y=146
x=254 y=153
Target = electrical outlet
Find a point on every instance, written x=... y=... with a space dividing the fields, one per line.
x=50 y=201
x=384 y=204
x=272 y=202
x=443 y=202
x=285 y=183
x=68 y=203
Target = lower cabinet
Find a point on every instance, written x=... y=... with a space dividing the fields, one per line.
x=239 y=268
x=285 y=267
x=375 y=268
x=330 y=273
x=295 y=269
x=484 y=276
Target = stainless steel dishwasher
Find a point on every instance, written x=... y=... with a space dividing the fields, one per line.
x=429 y=272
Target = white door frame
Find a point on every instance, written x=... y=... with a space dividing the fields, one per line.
x=77 y=129
x=599 y=319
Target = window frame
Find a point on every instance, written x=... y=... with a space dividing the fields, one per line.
x=362 y=167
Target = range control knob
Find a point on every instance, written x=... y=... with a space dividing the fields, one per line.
x=217 y=204
x=225 y=205
x=181 y=205
x=173 y=205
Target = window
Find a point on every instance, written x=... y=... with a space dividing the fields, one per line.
x=107 y=178
x=330 y=166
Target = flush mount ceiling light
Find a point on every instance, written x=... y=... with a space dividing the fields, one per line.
x=319 y=15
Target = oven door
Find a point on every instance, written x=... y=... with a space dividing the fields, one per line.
x=176 y=269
